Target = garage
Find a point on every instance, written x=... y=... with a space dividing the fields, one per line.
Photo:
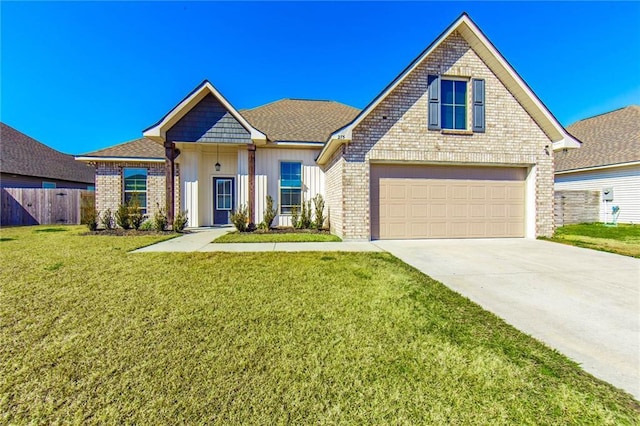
x=415 y=201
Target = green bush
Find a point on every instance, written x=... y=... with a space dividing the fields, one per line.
x=147 y=225
x=318 y=203
x=135 y=214
x=295 y=217
x=106 y=219
x=122 y=216
x=239 y=218
x=305 y=216
x=91 y=219
x=180 y=221
x=160 y=220
x=269 y=213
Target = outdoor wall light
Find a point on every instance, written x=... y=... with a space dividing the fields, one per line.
x=217 y=157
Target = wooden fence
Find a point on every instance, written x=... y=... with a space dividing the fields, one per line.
x=38 y=206
x=576 y=207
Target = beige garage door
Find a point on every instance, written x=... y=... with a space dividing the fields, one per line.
x=447 y=202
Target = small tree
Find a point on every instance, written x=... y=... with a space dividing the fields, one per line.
x=318 y=203
x=135 y=214
x=239 y=218
x=160 y=219
x=269 y=213
x=305 y=215
x=295 y=216
x=122 y=216
x=106 y=219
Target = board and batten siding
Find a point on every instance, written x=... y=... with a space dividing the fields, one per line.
x=625 y=182
x=268 y=178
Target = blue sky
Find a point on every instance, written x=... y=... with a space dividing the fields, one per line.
x=80 y=76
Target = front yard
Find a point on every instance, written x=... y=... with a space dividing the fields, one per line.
x=92 y=334
x=622 y=239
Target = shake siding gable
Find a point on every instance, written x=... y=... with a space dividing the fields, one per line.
x=397 y=130
x=209 y=122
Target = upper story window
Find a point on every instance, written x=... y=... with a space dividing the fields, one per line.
x=454 y=104
x=48 y=185
x=451 y=104
x=290 y=186
x=135 y=187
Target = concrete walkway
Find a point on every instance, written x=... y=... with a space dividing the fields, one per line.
x=584 y=303
x=200 y=239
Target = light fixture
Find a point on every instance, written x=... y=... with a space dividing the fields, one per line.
x=217 y=154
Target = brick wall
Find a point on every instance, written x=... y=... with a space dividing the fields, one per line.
x=333 y=192
x=109 y=182
x=576 y=207
x=396 y=130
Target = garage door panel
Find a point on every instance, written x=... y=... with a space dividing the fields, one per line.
x=460 y=202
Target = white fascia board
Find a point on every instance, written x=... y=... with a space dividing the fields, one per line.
x=158 y=132
x=608 y=166
x=567 y=143
x=297 y=144
x=117 y=159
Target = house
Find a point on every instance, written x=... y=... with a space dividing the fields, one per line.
x=608 y=161
x=456 y=146
x=27 y=163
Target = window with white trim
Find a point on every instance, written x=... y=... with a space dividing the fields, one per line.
x=454 y=104
x=290 y=186
x=135 y=187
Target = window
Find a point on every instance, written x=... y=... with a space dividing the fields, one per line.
x=49 y=185
x=290 y=186
x=135 y=186
x=224 y=195
x=454 y=104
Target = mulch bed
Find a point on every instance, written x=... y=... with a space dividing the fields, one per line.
x=128 y=232
x=290 y=230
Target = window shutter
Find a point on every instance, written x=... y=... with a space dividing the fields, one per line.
x=434 y=102
x=478 y=105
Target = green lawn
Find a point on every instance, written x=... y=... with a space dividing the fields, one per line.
x=272 y=237
x=622 y=239
x=92 y=334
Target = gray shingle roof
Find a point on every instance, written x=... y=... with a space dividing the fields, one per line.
x=137 y=148
x=23 y=155
x=611 y=138
x=300 y=120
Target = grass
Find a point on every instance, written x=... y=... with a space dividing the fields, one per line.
x=273 y=237
x=92 y=334
x=623 y=239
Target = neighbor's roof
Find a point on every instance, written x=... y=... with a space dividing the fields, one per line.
x=23 y=155
x=300 y=120
x=143 y=149
x=607 y=139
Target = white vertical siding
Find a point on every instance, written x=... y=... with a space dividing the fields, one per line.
x=268 y=177
x=625 y=182
x=242 y=177
x=188 y=161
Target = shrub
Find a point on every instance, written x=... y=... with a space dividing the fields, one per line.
x=135 y=215
x=239 y=218
x=147 y=225
x=295 y=217
x=160 y=219
x=305 y=216
x=122 y=216
x=269 y=213
x=318 y=203
x=106 y=219
x=91 y=219
x=180 y=221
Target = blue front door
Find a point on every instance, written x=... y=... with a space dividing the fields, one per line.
x=222 y=200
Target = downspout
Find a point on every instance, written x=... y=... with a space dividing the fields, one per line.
x=171 y=153
x=251 y=149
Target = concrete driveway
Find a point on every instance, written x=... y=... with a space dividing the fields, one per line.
x=584 y=303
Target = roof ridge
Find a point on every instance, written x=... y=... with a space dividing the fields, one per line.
x=605 y=113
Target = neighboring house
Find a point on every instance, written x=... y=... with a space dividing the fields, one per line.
x=609 y=159
x=456 y=146
x=27 y=163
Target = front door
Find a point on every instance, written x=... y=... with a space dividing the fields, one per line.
x=222 y=200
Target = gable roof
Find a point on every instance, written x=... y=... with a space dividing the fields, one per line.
x=23 y=155
x=142 y=149
x=300 y=120
x=495 y=61
x=607 y=139
x=158 y=131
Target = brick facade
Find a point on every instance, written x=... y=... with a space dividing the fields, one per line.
x=109 y=185
x=396 y=131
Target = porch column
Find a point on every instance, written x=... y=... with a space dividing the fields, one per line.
x=171 y=153
x=252 y=182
